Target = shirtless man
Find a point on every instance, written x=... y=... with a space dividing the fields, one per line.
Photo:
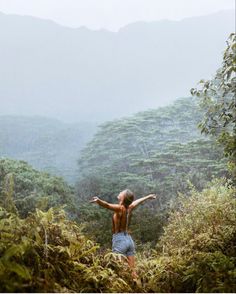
x=122 y=242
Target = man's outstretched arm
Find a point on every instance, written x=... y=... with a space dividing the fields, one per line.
x=141 y=200
x=114 y=207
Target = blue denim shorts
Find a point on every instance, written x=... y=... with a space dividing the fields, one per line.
x=123 y=243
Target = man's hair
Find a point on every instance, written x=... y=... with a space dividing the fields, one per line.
x=128 y=198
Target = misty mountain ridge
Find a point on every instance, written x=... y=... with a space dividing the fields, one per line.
x=124 y=27
x=79 y=74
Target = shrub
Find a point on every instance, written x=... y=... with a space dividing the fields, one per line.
x=197 y=250
x=48 y=253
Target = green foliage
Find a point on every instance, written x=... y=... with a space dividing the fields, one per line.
x=7 y=194
x=197 y=250
x=25 y=188
x=218 y=100
x=96 y=220
x=48 y=253
x=151 y=151
x=159 y=151
x=119 y=142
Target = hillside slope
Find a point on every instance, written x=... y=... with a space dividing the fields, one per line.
x=47 y=144
x=47 y=69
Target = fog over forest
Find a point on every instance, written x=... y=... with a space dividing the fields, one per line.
x=84 y=75
x=126 y=134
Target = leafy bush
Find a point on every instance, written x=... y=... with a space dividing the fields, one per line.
x=48 y=253
x=197 y=250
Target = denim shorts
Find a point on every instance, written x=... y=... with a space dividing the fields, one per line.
x=123 y=243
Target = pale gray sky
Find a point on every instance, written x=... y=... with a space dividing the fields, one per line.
x=112 y=14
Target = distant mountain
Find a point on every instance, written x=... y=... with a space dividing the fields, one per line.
x=47 y=144
x=80 y=74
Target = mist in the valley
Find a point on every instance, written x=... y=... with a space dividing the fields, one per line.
x=85 y=75
x=117 y=105
x=58 y=83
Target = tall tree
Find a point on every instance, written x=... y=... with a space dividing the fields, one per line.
x=218 y=99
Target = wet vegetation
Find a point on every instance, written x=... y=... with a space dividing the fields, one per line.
x=52 y=240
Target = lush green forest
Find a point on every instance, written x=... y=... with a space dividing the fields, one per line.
x=53 y=240
x=157 y=150
x=160 y=151
x=23 y=189
x=47 y=144
x=48 y=252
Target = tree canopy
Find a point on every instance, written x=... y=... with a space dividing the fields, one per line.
x=218 y=100
x=26 y=188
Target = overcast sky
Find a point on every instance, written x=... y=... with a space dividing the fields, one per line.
x=112 y=14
